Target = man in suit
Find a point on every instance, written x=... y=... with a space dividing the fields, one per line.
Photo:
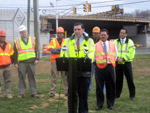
x=126 y=53
x=75 y=48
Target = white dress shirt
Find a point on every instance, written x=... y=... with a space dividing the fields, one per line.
x=123 y=40
x=107 y=46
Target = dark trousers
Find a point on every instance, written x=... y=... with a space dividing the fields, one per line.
x=107 y=75
x=127 y=69
x=82 y=86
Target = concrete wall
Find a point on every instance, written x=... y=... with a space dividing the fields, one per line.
x=148 y=40
x=140 y=39
x=6 y=23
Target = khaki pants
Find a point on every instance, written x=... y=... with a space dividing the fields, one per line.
x=54 y=77
x=29 y=69
x=6 y=73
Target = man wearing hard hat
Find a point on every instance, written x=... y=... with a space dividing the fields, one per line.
x=96 y=38
x=6 y=53
x=26 y=55
x=55 y=47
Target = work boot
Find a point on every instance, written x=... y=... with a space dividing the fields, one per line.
x=51 y=95
x=9 y=97
x=35 y=95
x=20 y=95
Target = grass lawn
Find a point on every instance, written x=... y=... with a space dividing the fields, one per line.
x=45 y=104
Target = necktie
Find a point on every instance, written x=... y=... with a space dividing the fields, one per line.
x=78 y=44
x=121 y=41
x=105 y=48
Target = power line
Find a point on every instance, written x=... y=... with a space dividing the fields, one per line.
x=123 y=4
x=83 y=2
x=82 y=8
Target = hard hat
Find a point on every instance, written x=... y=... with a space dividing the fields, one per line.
x=60 y=30
x=2 y=33
x=22 y=28
x=96 y=29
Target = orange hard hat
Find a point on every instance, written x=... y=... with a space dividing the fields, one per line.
x=96 y=29
x=60 y=30
x=2 y=33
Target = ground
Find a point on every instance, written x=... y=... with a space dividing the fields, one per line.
x=41 y=67
x=141 y=70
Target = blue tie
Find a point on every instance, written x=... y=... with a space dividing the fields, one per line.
x=105 y=48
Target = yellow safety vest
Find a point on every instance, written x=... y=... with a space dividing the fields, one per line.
x=25 y=52
x=72 y=48
x=126 y=50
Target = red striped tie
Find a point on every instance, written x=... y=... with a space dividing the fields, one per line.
x=78 y=44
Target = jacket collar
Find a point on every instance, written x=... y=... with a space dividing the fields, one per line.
x=125 y=41
x=85 y=37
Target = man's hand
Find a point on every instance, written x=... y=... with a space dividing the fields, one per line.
x=16 y=65
x=58 y=49
x=36 y=61
x=120 y=60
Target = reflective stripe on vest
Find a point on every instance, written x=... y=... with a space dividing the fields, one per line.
x=25 y=52
x=54 y=42
x=125 y=49
x=5 y=55
x=101 y=56
x=90 y=40
x=21 y=51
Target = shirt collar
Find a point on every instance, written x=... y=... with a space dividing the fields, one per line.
x=124 y=40
x=105 y=42
x=79 y=38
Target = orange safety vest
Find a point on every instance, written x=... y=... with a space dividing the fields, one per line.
x=54 y=44
x=5 y=55
x=101 y=56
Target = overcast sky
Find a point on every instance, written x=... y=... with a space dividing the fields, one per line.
x=97 y=6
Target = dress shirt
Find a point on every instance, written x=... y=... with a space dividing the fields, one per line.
x=107 y=46
x=123 y=40
x=80 y=39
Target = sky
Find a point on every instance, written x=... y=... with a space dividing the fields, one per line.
x=97 y=6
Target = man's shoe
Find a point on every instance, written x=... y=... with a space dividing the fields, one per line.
x=117 y=97
x=66 y=94
x=35 y=95
x=131 y=98
x=9 y=97
x=51 y=95
x=98 y=108
x=110 y=108
x=20 y=96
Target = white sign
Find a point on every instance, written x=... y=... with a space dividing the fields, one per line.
x=19 y=19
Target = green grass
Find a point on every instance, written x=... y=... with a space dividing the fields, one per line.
x=44 y=104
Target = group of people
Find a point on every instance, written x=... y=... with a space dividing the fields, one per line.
x=24 y=56
x=105 y=55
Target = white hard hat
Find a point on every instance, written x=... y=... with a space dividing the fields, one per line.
x=22 y=28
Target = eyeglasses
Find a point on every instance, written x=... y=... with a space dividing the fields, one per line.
x=2 y=37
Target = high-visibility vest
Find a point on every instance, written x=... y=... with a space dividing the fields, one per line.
x=72 y=48
x=101 y=56
x=25 y=52
x=54 y=44
x=126 y=50
x=5 y=55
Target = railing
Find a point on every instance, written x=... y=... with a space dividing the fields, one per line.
x=102 y=17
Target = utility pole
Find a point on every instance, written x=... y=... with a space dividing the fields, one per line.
x=36 y=22
x=56 y=16
x=28 y=18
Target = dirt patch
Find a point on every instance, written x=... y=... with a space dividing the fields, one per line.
x=91 y=111
x=42 y=67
